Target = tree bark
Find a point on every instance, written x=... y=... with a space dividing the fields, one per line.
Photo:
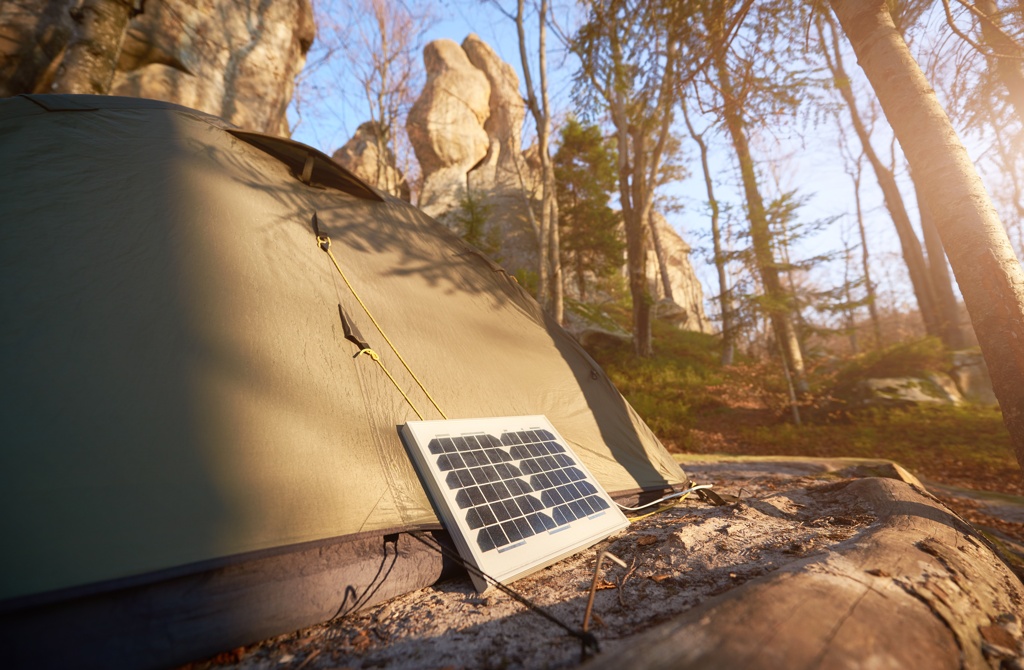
x=636 y=228
x=989 y=274
x=918 y=564
x=91 y=57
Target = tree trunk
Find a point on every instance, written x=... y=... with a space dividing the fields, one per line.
x=556 y=290
x=91 y=57
x=869 y=286
x=917 y=564
x=659 y=252
x=948 y=309
x=776 y=299
x=913 y=256
x=989 y=274
x=724 y=299
x=550 y=263
x=636 y=228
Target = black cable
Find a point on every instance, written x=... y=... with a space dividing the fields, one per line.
x=588 y=641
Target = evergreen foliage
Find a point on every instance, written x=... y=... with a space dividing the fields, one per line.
x=471 y=217
x=591 y=232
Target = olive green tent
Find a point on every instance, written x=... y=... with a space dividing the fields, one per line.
x=195 y=454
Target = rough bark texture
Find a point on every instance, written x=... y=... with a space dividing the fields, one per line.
x=636 y=228
x=989 y=274
x=919 y=589
x=236 y=59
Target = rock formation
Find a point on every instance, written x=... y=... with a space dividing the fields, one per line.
x=446 y=125
x=504 y=123
x=361 y=155
x=687 y=293
x=466 y=131
x=236 y=59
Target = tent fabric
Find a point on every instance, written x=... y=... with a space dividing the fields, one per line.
x=178 y=384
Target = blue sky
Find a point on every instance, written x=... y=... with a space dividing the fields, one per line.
x=798 y=156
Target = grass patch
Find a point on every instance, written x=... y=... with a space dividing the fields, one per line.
x=669 y=387
x=935 y=442
x=694 y=405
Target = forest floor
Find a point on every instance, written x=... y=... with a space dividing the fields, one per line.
x=696 y=406
x=947 y=449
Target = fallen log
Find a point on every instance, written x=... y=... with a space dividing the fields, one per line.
x=918 y=588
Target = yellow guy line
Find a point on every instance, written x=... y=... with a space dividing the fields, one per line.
x=325 y=244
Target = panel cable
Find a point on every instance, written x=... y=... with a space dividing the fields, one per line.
x=588 y=641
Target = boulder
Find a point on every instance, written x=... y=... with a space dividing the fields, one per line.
x=595 y=337
x=235 y=59
x=362 y=156
x=446 y=125
x=885 y=391
x=33 y=34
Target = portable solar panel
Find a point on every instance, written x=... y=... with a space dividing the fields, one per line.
x=511 y=492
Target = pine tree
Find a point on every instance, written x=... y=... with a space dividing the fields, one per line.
x=591 y=234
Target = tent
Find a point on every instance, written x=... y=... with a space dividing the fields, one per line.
x=196 y=455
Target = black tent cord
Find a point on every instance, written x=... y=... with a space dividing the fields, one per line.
x=588 y=642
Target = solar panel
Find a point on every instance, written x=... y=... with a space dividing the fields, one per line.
x=511 y=492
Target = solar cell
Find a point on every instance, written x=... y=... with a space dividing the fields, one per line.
x=511 y=492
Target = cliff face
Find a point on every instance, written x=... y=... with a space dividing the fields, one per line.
x=466 y=131
x=236 y=59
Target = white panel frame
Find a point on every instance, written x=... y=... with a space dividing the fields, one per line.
x=523 y=556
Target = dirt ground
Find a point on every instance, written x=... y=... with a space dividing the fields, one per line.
x=676 y=559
